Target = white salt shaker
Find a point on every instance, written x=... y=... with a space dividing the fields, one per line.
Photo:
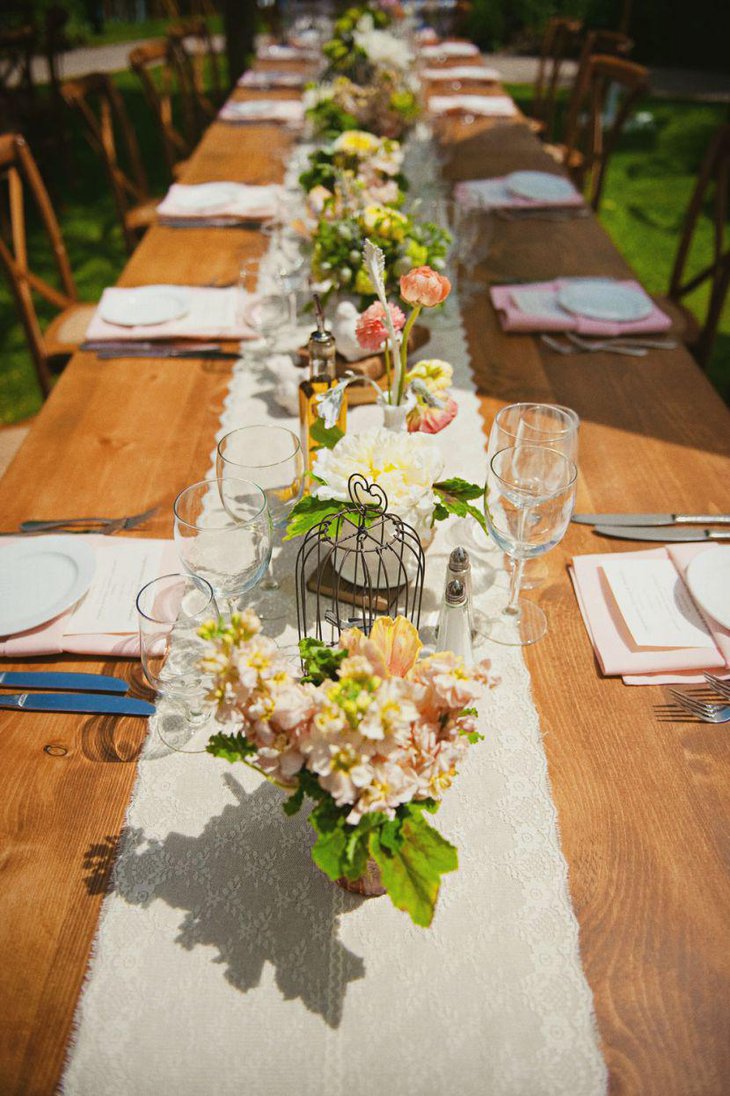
x=454 y=632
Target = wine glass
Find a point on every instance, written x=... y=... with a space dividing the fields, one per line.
x=287 y=262
x=529 y=499
x=265 y=313
x=223 y=534
x=535 y=424
x=272 y=457
x=170 y=611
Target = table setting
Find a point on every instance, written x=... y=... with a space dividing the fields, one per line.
x=338 y=630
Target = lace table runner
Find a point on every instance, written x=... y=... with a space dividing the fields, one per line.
x=226 y=963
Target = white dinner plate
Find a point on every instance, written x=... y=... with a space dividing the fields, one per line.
x=144 y=307
x=604 y=299
x=708 y=578
x=40 y=577
x=540 y=186
x=206 y=196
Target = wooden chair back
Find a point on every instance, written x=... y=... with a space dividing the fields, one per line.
x=610 y=43
x=108 y=130
x=166 y=75
x=19 y=172
x=203 y=56
x=714 y=176
x=559 y=41
x=610 y=91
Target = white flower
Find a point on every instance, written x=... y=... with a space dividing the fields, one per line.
x=313 y=96
x=406 y=466
x=383 y=48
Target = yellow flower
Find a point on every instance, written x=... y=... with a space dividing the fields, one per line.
x=389 y=223
x=357 y=142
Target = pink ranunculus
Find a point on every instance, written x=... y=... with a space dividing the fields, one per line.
x=429 y=420
x=371 y=330
x=424 y=286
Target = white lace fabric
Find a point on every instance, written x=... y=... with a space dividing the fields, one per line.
x=226 y=962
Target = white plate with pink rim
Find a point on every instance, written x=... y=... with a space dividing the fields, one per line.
x=708 y=579
x=540 y=186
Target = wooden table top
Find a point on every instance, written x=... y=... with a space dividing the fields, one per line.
x=642 y=804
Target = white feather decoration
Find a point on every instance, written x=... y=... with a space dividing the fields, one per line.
x=374 y=261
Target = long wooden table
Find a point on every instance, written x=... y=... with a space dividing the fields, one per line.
x=643 y=804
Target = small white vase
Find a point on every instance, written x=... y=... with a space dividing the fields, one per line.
x=394 y=418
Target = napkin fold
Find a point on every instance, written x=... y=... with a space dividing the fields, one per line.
x=475 y=73
x=245 y=112
x=250 y=203
x=488 y=106
x=615 y=649
x=278 y=52
x=272 y=79
x=450 y=49
x=212 y=314
x=495 y=194
x=535 y=307
x=123 y=566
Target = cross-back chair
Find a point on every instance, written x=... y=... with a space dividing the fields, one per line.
x=609 y=43
x=51 y=348
x=611 y=89
x=108 y=130
x=558 y=43
x=711 y=193
x=195 y=33
x=166 y=73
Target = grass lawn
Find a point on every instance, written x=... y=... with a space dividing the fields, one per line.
x=647 y=191
x=117 y=31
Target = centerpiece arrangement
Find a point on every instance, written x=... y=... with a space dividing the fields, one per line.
x=370 y=734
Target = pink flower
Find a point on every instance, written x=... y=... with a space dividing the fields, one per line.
x=429 y=420
x=424 y=286
x=371 y=330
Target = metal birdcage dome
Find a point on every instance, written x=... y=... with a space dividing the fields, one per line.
x=356 y=565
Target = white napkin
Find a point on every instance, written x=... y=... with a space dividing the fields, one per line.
x=262 y=110
x=247 y=202
x=490 y=106
x=463 y=72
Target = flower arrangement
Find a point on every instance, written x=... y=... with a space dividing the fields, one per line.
x=370 y=734
x=360 y=168
x=385 y=104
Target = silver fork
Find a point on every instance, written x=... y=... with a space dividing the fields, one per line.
x=709 y=711
x=717 y=683
x=576 y=348
x=608 y=345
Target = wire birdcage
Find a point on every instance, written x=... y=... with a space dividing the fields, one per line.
x=356 y=565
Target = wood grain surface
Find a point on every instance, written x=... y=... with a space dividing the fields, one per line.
x=642 y=804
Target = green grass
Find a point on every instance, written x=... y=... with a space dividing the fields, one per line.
x=648 y=186
x=115 y=31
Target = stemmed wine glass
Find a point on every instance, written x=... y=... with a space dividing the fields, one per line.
x=170 y=611
x=272 y=457
x=288 y=263
x=529 y=499
x=223 y=534
x=265 y=313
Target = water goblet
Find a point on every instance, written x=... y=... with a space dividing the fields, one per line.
x=272 y=457
x=170 y=611
x=265 y=313
x=529 y=499
x=223 y=534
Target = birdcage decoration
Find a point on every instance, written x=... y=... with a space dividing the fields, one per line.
x=356 y=565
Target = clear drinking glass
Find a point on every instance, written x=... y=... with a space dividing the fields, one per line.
x=223 y=534
x=170 y=610
x=272 y=457
x=529 y=499
x=266 y=313
x=288 y=263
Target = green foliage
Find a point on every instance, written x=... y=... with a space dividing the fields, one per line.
x=326 y=437
x=412 y=858
x=455 y=497
x=320 y=661
x=230 y=747
x=307 y=513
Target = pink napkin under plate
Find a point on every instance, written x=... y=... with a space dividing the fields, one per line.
x=615 y=649
x=549 y=316
x=495 y=194
x=211 y=315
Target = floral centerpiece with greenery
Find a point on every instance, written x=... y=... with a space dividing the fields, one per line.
x=362 y=168
x=370 y=734
x=387 y=105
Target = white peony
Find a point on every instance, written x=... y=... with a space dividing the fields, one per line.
x=383 y=48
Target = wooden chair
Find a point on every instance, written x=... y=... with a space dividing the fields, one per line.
x=609 y=43
x=51 y=348
x=108 y=130
x=559 y=41
x=195 y=33
x=598 y=121
x=714 y=176
x=165 y=71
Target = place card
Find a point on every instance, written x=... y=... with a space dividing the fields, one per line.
x=655 y=604
x=122 y=569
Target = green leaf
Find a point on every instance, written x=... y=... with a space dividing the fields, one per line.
x=320 y=661
x=231 y=747
x=461 y=488
x=307 y=513
x=294 y=803
x=326 y=437
x=329 y=853
x=454 y=495
x=412 y=873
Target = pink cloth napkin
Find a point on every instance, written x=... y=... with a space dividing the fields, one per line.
x=212 y=315
x=272 y=79
x=488 y=106
x=495 y=194
x=248 y=111
x=615 y=649
x=548 y=315
x=248 y=203
x=51 y=639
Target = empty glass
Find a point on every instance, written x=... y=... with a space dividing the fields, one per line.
x=287 y=261
x=529 y=499
x=265 y=313
x=223 y=534
x=170 y=610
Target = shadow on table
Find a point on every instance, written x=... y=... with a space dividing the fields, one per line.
x=248 y=888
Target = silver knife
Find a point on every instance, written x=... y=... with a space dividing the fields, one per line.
x=661 y=533
x=84 y=703
x=652 y=519
x=41 y=679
